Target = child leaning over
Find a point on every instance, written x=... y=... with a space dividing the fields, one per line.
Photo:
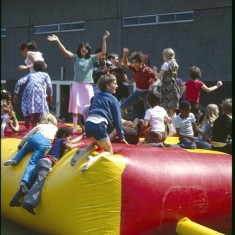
x=62 y=142
x=37 y=141
x=185 y=124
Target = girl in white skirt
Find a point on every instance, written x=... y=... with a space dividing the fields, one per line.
x=81 y=90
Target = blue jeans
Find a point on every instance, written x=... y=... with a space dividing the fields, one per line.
x=199 y=143
x=134 y=98
x=39 y=145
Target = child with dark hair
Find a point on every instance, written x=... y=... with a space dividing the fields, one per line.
x=143 y=77
x=185 y=124
x=193 y=87
x=36 y=95
x=155 y=118
x=62 y=142
x=29 y=50
x=81 y=90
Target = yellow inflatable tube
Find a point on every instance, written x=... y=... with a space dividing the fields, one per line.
x=67 y=199
x=187 y=227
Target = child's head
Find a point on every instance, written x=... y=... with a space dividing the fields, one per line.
x=39 y=66
x=64 y=132
x=137 y=58
x=184 y=108
x=6 y=95
x=113 y=57
x=211 y=113
x=24 y=47
x=107 y=82
x=227 y=106
x=48 y=118
x=168 y=54
x=4 y=107
x=84 y=50
x=195 y=73
x=153 y=98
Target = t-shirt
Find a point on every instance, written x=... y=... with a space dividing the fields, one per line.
x=142 y=77
x=155 y=116
x=83 y=68
x=185 y=124
x=193 y=88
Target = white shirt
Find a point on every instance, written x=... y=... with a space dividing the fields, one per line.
x=156 y=116
x=185 y=125
x=46 y=130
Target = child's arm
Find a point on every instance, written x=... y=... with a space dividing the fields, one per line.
x=74 y=143
x=103 y=51
x=125 y=61
x=198 y=130
x=65 y=52
x=184 y=136
x=158 y=75
x=212 y=88
x=167 y=120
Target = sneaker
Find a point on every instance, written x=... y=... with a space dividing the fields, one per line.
x=29 y=208
x=10 y=162
x=24 y=187
x=14 y=203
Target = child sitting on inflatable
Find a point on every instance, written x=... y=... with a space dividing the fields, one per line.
x=185 y=124
x=155 y=117
x=62 y=142
x=8 y=116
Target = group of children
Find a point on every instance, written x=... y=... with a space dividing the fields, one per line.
x=103 y=122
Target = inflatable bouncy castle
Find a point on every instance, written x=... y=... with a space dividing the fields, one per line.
x=137 y=191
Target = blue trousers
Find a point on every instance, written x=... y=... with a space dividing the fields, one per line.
x=37 y=144
x=134 y=98
x=199 y=143
x=38 y=178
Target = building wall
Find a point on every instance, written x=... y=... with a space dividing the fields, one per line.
x=205 y=42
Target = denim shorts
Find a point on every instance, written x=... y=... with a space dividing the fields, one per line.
x=96 y=130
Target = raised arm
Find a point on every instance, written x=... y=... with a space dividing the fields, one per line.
x=212 y=88
x=125 y=61
x=104 y=46
x=54 y=38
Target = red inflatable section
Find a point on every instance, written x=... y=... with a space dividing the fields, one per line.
x=161 y=186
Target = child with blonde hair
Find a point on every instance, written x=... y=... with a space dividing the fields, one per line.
x=37 y=141
x=211 y=114
x=170 y=90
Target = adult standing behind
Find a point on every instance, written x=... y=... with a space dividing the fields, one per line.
x=222 y=129
x=34 y=97
x=81 y=90
x=29 y=50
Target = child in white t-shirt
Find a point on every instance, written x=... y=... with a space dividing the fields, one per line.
x=155 y=118
x=185 y=124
